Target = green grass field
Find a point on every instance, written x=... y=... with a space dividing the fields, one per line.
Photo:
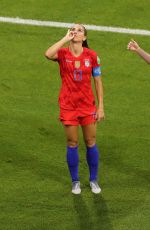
x=35 y=189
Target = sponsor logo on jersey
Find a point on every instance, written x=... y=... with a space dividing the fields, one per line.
x=87 y=62
x=68 y=60
x=77 y=64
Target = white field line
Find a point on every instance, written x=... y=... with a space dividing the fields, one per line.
x=68 y=25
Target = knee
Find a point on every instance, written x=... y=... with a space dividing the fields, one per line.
x=90 y=142
x=72 y=143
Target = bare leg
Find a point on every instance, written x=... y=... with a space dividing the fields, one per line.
x=71 y=135
x=89 y=134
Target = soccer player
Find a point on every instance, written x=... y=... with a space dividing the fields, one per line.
x=76 y=100
x=133 y=46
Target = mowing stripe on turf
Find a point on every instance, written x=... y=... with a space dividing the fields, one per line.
x=68 y=25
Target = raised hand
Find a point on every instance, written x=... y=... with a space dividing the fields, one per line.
x=133 y=45
x=69 y=36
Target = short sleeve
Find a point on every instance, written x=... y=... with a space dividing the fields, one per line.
x=60 y=54
x=96 y=69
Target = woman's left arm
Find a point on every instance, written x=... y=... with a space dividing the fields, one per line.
x=99 y=92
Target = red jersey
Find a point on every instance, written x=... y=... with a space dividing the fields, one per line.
x=76 y=91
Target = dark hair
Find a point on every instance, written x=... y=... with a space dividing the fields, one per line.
x=85 y=43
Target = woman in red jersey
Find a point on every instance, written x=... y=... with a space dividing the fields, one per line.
x=133 y=46
x=76 y=100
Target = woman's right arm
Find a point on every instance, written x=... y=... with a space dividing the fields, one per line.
x=133 y=46
x=51 y=53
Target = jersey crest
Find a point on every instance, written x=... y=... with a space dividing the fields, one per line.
x=87 y=62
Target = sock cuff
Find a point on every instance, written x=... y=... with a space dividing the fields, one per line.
x=72 y=149
x=91 y=149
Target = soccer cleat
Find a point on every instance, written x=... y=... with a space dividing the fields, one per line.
x=95 y=187
x=76 y=187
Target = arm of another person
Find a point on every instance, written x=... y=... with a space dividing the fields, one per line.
x=99 y=92
x=51 y=53
x=133 y=46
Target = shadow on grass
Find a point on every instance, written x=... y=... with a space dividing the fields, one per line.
x=83 y=214
x=92 y=218
x=101 y=210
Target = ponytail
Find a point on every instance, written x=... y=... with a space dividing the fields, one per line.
x=85 y=44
